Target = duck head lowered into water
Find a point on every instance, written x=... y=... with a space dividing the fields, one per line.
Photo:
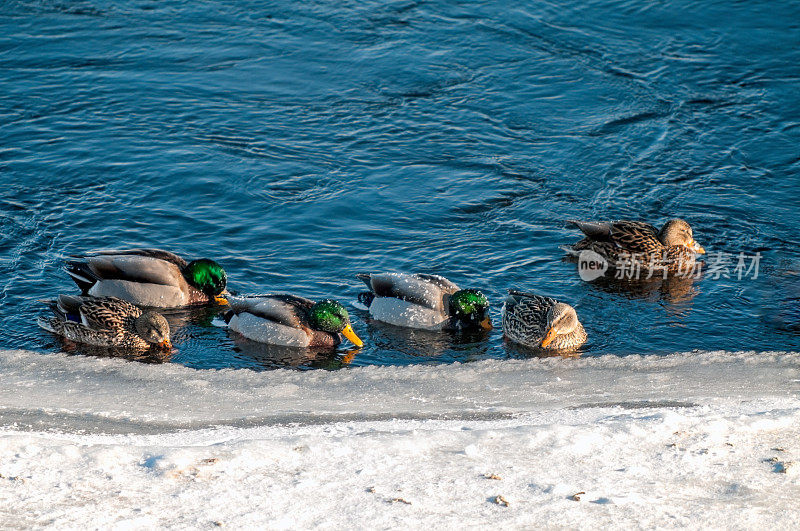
x=106 y=322
x=541 y=322
x=291 y=321
x=423 y=301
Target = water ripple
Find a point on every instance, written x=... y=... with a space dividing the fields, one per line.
x=299 y=143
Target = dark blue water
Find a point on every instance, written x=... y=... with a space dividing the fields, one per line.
x=300 y=142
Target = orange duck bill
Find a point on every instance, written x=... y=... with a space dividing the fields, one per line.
x=549 y=337
x=165 y=345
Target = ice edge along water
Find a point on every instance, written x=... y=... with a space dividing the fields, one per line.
x=693 y=439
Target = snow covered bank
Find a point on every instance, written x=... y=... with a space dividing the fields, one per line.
x=700 y=439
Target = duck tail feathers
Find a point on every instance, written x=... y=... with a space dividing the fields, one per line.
x=82 y=274
x=570 y=250
x=596 y=230
x=365 y=298
x=227 y=316
x=366 y=278
x=53 y=306
x=46 y=323
x=521 y=293
x=70 y=304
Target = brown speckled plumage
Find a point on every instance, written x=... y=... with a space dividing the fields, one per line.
x=639 y=245
x=106 y=322
x=527 y=317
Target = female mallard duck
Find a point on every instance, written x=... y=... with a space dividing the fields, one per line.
x=290 y=321
x=637 y=244
x=149 y=277
x=541 y=322
x=106 y=322
x=423 y=301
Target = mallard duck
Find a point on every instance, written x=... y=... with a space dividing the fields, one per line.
x=290 y=321
x=149 y=277
x=423 y=301
x=106 y=322
x=541 y=322
x=634 y=243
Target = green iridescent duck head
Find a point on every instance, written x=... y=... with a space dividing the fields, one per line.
x=207 y=276
x=470 y=308
x=330 y=316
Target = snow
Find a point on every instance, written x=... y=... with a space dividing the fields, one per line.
x=702 y=439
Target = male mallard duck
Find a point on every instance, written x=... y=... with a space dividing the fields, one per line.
x=149 y=277
x=640 y=244
x=290 y=321
x=541 y=322
x=423 y=301
x=106 y=322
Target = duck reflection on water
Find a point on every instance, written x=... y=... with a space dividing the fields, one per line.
x=672 y=289
x=277 y=357
x=462 y=345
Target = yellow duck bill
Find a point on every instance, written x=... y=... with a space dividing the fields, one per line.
x=350 y=334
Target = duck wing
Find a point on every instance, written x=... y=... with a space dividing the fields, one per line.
x=422 y=289
x=627 y=236
x=128 y=266
x=530 y=301
x=525 y=315
x=635 y=236
x=107 y=313
x=160 y=254
x=596 y=230
x=288 y=310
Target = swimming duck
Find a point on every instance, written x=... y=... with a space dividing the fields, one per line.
x=149 y=277
x=639 y=244
x=290 y=321
x=541 y=322
x=106 y=322
x=423 y=301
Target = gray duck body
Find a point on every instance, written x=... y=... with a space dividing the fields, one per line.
x=415 y=300
x=144 y=277
x=277 y=319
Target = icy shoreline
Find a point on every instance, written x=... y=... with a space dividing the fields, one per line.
x=688 y=440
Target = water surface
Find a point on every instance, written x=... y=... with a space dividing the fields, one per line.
x=299 y=143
